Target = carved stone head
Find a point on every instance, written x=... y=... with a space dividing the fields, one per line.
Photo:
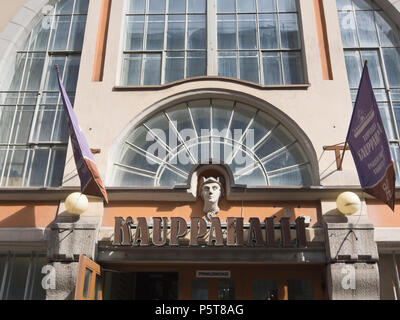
x=210 y=191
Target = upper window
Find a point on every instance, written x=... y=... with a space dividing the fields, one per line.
x=253 y=40
x=257 y=148
x=33 y=129
x=368 y=34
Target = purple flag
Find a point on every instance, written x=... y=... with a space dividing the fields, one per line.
x=91 y=183
x=369 y=145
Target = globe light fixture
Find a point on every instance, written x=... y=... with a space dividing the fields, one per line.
x=348 y=203
x=76 y=203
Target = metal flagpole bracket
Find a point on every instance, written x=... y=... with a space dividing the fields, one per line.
x=337 y=148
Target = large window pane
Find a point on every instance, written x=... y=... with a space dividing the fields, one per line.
x=227 y=64
x=272 y=68
x=152 y=69
x=348 y=29
x=289 y=31
x=176 y=33
x=197 y=32
x=247 y=32
x=391 y=57
x=174 y=69
x=226 y=32
x=155 y=33
x=134 y=33
x=249 y=66
x=292 y=67
x=366 y=28
x=132 y=66
x=196 y=64
x=268 y=31
x=226 y=5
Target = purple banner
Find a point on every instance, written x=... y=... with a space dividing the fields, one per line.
x=369 y=145
x=91 y=183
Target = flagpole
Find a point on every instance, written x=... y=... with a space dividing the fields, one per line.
x=345 y=143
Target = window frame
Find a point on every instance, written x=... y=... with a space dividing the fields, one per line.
x=212 y=53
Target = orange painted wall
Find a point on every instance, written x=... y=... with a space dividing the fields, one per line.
x=381 y=215
x=27 y=214
x=260 y=209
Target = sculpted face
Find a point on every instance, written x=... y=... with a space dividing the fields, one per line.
x=211 y=192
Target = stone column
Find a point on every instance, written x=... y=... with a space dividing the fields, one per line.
x=71 y=236
x=352 y=254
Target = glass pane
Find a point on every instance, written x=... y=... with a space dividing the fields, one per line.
x=354 y=67
x=268 y=31
x=176 y=32
x=246 y=6
x=226 y=290
x=247 y=32
x=196 y=64
x=97 y=288
x=272 y=68
x=366 y=28
x=289 y=31
x=19 y=274
x=391 y=57
x=37 y=292
x=56 y=167
x=65 y=7
x=170 y=178
x=81 y=6
x=134 y=33
x=127 y=178
x=174 y=68
x=374 y=68
x=287 y=5
x=137 y=6
x=197 y=6
x=226 y=33
x=226 y=6
x=152 y=69
x=157 y=6
x=177 y=6
x=249 y=66
x=227 y=64
x=17 y=165
x=33 y=71
x=86 y=283
x=197 y=32
x=77 y=33
x=344 y=5
x=266 y=5
x=253 y=178
x=51 y=83
x=388 y=32
x=293 y=67
x=60 y=33
x=265 y=290
x=200 y=289
x=38 y=168
x=132 y=69
x=221 y=113
x=155 y=33
x=348 y=29
x=181 y=117
x=201 y=116
x=300 y=290
x=386 y=119
x=362 y=5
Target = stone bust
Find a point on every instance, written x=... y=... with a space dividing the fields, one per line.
x=210 y=191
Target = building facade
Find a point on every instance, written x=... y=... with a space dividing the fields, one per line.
x=217 y=127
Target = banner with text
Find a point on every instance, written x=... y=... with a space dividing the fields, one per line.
x=369 y=145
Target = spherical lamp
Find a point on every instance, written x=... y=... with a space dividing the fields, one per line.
x=76 y=203
x=348 y=203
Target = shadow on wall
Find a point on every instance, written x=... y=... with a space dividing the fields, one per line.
x=27 y=215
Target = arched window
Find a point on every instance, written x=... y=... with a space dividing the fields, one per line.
x=252 y=40
x=258 y=149
x=368 y=34
x=33 y=132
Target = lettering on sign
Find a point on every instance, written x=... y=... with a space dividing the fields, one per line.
x=176 y=232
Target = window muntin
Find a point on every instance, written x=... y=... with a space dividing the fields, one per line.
x=259 y=41
x=254 y=40
x=164 y=43
x=33 y=130
x=258 y=149
x=368 y=34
